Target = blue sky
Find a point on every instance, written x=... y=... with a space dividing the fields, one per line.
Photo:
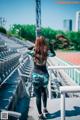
x=23 y=12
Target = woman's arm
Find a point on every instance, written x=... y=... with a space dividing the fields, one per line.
x=51 y=52
x=31 y=51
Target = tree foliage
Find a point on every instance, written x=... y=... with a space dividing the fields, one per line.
x=70 y=40
x=74 y=38
x=23 y=31
x=3 y=30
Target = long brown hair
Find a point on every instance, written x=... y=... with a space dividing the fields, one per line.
x=41 y=49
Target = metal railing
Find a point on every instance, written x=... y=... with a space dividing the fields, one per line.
x=74 y=73
x=51 y=68
x=63 y=91
x=5 y=114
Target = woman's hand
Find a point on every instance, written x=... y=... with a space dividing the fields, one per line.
x=30 y=48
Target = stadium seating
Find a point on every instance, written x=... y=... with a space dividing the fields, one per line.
x=12 y=84
x=7 y=64
x=25 y=69
x=3 y=46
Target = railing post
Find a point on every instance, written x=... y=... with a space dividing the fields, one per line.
x=62 y=106
x=49 y=86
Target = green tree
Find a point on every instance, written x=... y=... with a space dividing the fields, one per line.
x=28 y=33
x=74 y=38
x=25 y=31
x=3 y=30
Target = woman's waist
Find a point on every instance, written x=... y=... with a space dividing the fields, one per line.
x=38 y=68
x=37 y=65
x=40 y=64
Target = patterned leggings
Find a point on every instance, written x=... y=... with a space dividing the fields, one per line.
x=41 y=92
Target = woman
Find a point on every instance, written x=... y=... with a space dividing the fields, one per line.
x=40 y=74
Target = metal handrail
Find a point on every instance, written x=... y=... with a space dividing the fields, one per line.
x=63 y=91
x=64 y=67
x=12 y=113
x=56 y=68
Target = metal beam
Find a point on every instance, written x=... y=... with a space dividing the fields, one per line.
x=38 y=18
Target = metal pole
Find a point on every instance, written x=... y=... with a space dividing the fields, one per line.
x=62 y=106
x=49 y=86
x=38 y=18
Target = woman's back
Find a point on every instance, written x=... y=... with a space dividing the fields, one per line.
x=40 y=56
x=40 y=52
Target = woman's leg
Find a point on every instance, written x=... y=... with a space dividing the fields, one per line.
x=38 y=99
x=44 y=96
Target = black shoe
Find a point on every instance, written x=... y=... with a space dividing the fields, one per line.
x=41 y=117
x=45 y=111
